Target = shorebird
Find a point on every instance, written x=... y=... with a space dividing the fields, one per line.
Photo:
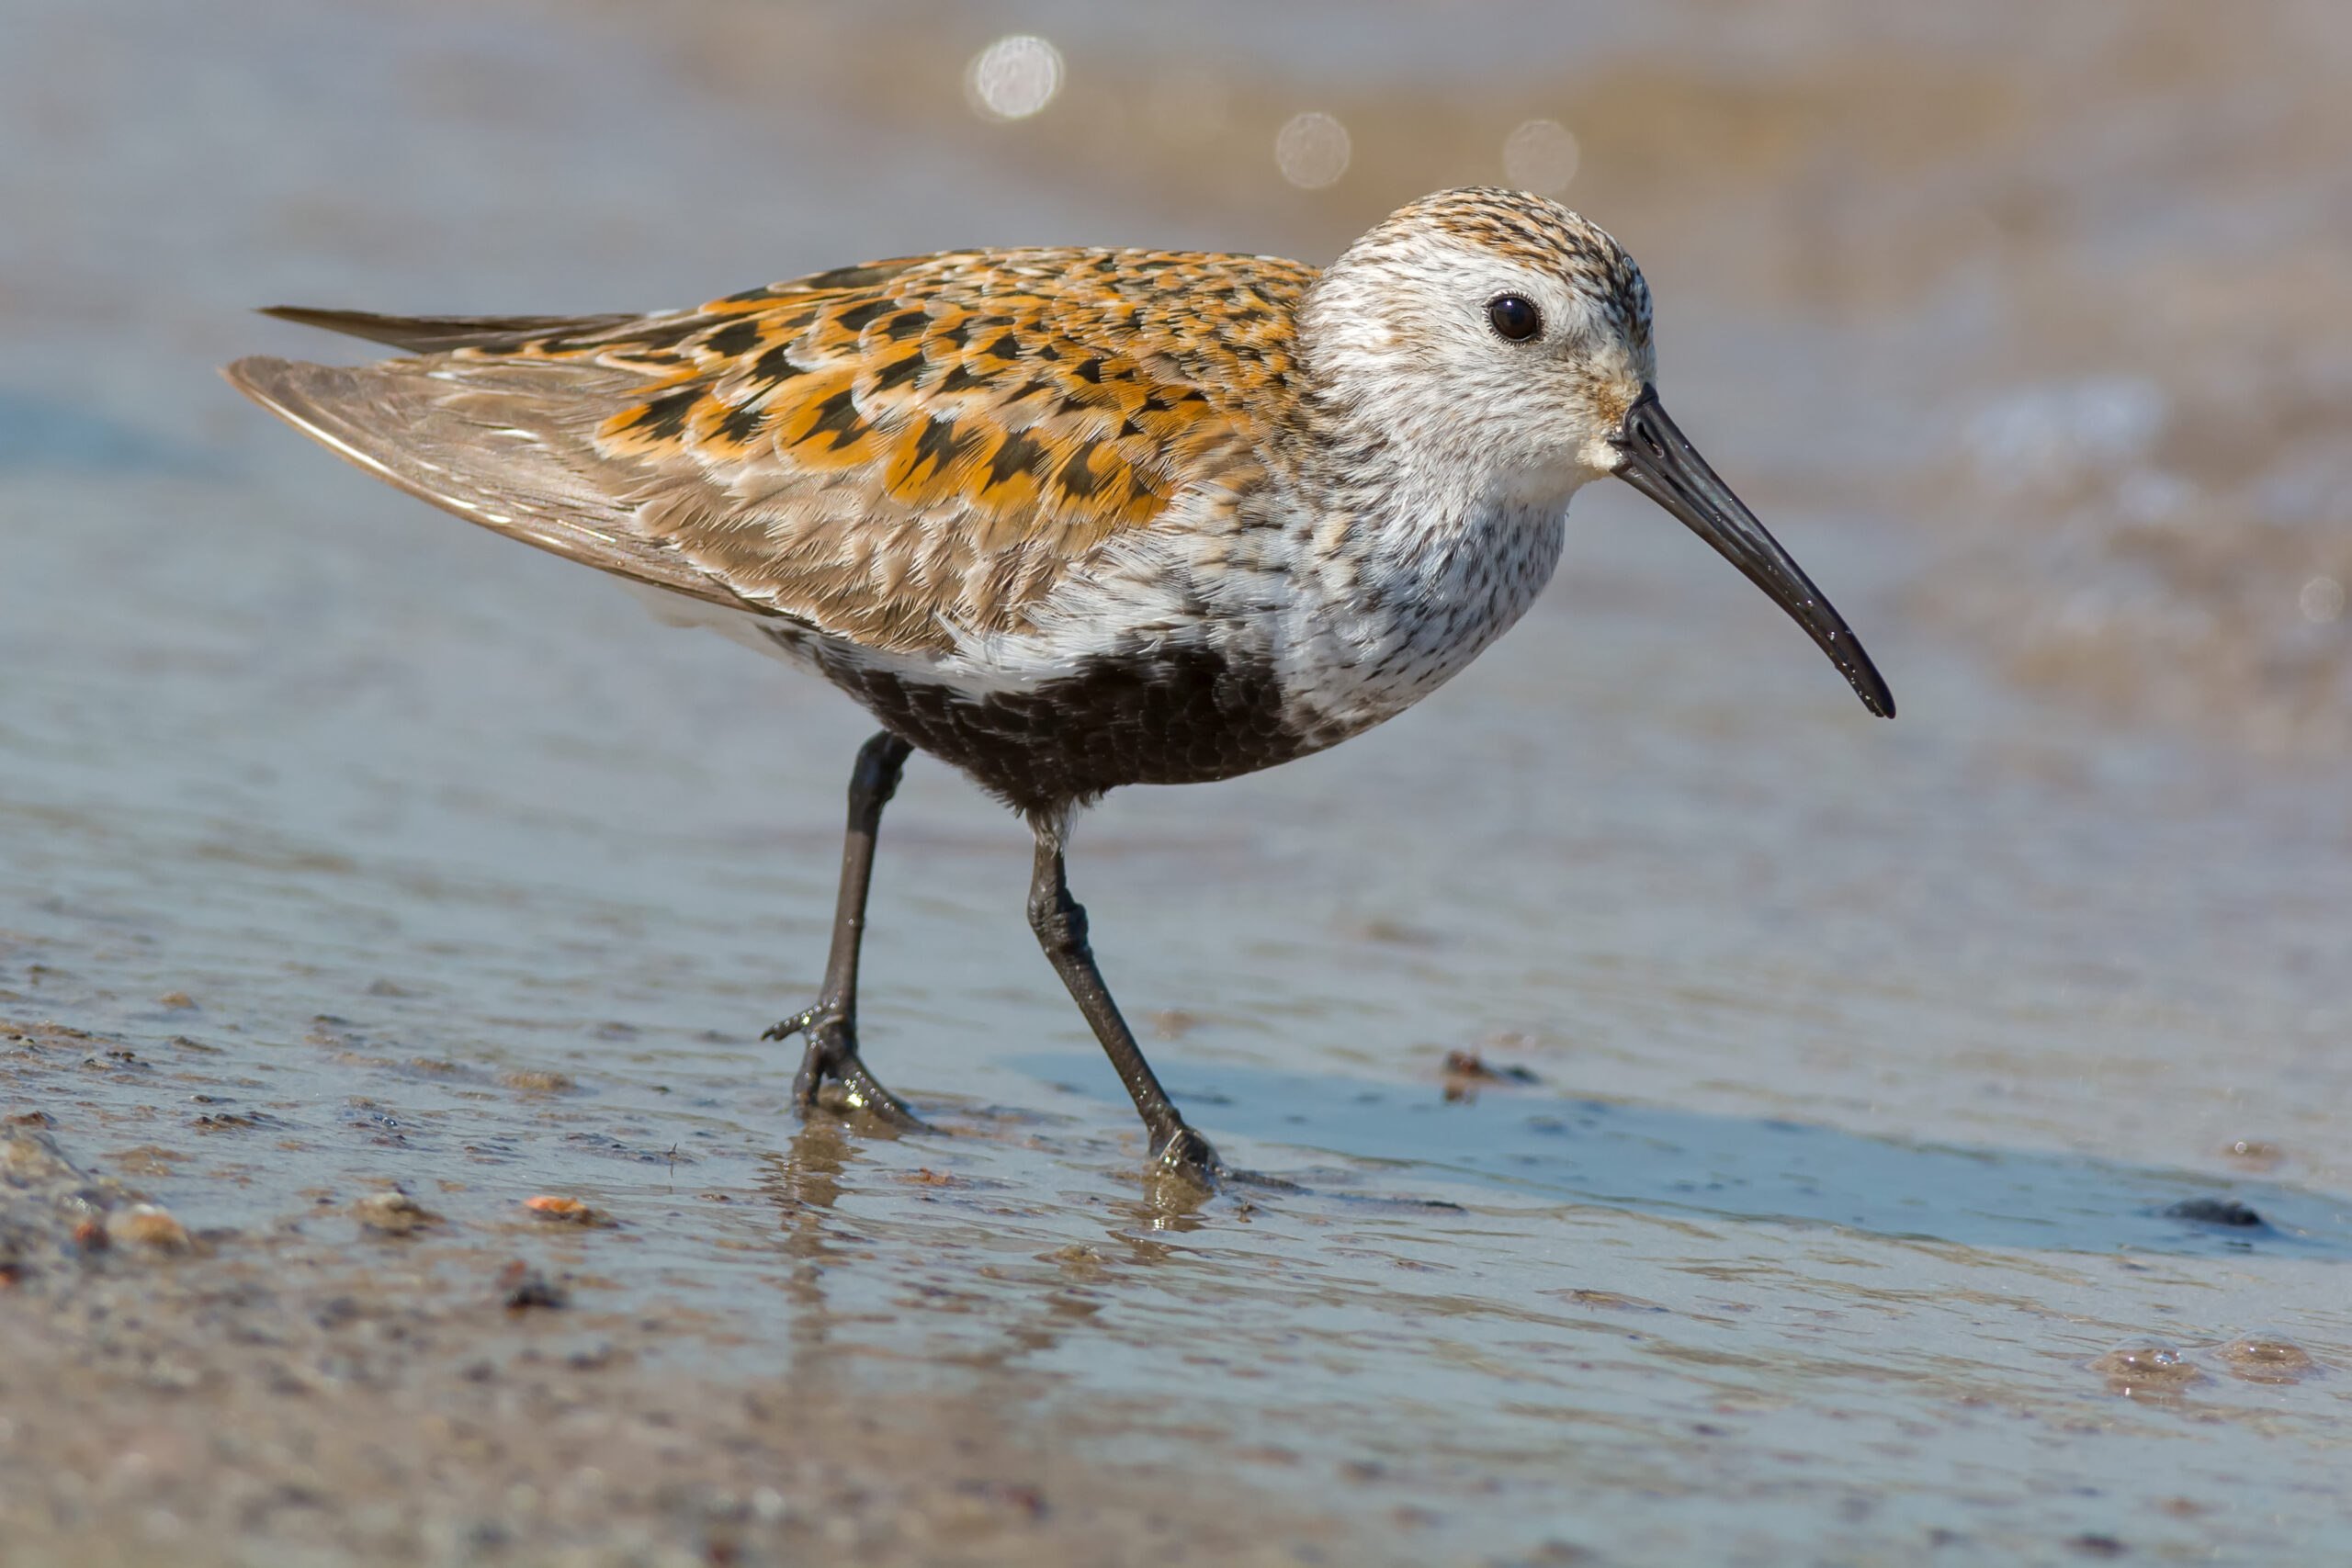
x=1073 y=519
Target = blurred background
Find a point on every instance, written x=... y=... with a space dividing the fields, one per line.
x=2025 y=325
x=2055 y=292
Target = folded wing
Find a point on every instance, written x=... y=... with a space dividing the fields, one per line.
x=899 y=454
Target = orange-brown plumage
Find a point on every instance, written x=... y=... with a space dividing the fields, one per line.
x=901 y=453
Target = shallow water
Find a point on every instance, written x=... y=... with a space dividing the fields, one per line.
x=1862 y=1062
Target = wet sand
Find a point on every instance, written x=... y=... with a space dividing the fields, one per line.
x=1866 y=1118
x=330 y=1391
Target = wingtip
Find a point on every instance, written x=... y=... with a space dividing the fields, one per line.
x=248 y=374
x=364 y=324
x=310 y=316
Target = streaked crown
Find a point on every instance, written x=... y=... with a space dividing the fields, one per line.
x=1410 y=329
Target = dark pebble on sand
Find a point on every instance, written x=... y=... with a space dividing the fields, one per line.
x=525 y=1288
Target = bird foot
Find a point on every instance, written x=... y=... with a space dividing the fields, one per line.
x=832 y=1056
x=1183 y=1154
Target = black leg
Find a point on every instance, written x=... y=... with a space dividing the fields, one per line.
x=832 y=1024
x=1060 y=923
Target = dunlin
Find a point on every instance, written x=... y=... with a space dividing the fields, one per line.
x=1073 y=519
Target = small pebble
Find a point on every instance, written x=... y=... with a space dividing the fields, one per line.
x=145 y=1224
x=2227 y=1212
x=524 y=1287
x=1466 y=1070
x=175 y=999
x=1471 y=1065
x=393 y=1213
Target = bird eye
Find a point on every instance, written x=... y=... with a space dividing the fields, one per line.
x=1515 y=318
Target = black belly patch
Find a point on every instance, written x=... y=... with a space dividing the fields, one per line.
x=1184 y=716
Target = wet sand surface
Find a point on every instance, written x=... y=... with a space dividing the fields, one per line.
x=1705 y=1123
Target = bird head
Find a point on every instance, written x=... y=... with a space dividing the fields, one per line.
x=1508 y=340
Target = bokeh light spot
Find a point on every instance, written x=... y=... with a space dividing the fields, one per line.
x=1015 y=77
x=2322 y=600
x=1312 y=151
x=1541 y=155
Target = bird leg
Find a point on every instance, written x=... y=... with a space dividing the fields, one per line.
x=1059 y=922
x=830 y=1025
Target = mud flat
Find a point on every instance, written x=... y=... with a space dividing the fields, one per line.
x=330 y=1390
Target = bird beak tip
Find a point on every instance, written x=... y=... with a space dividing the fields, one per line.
x=1658 y=460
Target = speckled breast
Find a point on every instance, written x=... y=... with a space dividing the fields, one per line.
x=1184 y=716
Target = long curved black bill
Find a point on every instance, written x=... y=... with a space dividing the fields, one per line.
x=1661 y=463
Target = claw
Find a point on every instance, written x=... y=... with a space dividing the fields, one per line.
x=800 y=1022
x=860 y=1091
